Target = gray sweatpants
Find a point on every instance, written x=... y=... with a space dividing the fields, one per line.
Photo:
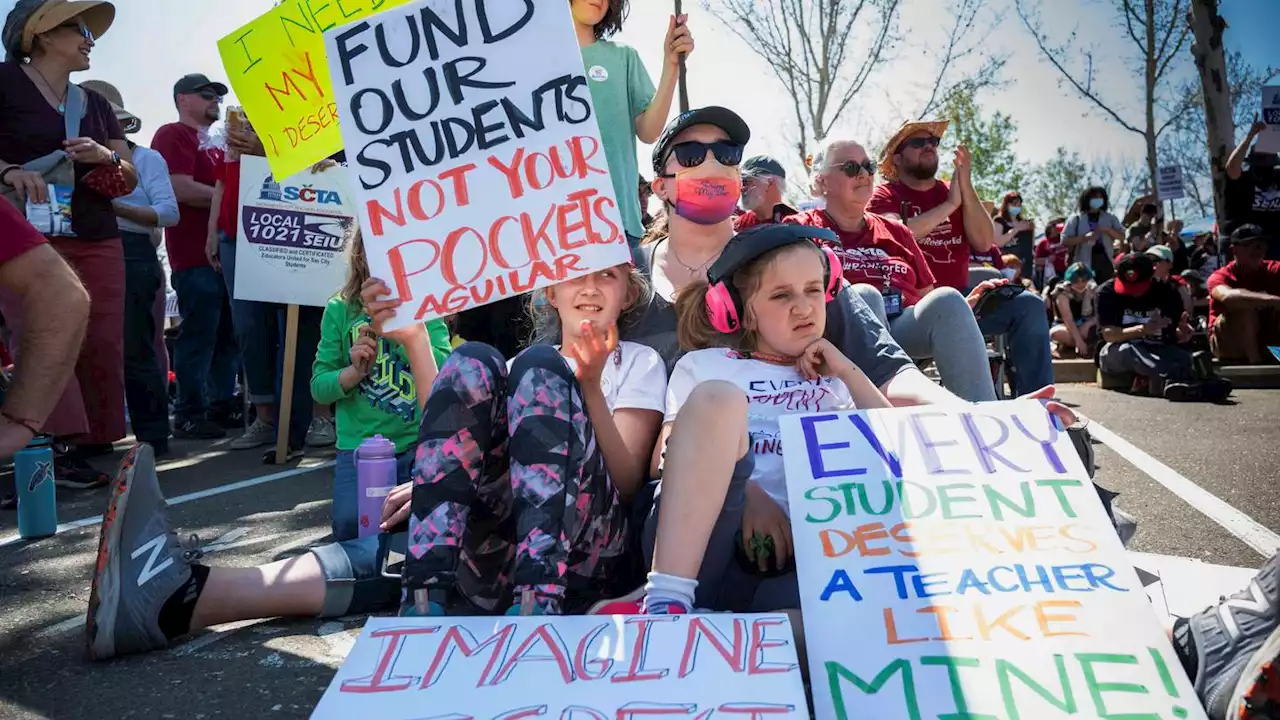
x=941 y=326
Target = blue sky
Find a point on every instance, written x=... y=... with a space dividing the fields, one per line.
x=156 y=41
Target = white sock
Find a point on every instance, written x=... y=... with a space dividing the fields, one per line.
x=671 y=588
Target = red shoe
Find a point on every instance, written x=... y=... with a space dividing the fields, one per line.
x=630 y=604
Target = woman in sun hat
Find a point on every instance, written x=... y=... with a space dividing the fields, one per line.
x=54 y=133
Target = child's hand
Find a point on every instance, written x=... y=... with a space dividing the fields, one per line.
x=592 y=353
x=414 y=332
x=679 y=40
x=363 y=354
x=378 y=310
x=822 y=359
x=763 y=518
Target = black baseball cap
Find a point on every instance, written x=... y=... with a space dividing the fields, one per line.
x=1134 y=273
x=1248 y=233
x=762 y=165
x=195 y=82
x=723 y=118
x=753 y=242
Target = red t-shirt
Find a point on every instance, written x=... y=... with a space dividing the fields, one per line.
x=1056 y=251
x=16 y=234
x=946 y=248
x=748 y=219
x=229 y=210
x=992 y=258
x=883 y=249
x=1266 y=279
x=180 y=146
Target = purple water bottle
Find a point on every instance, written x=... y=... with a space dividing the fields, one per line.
x=375 y=476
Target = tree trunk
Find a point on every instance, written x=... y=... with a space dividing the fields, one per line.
x=1150 y=98
x=1206 y=27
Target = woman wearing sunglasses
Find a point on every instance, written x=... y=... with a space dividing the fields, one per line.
x=58 y=138
x=886 y=267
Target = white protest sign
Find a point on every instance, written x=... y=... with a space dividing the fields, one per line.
x=291 y=247
x=570 y=668
x=1269 y=140
x=1169 y=182
x=473 y=140
x=958 y=563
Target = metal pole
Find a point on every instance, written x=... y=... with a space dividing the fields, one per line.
x=683 y=84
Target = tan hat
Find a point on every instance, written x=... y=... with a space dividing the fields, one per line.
x=933 y=127
x=97 y=15
x=129 y=122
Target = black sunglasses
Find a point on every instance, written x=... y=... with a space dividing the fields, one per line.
x=919 y=142
x=853 y=168
x=210 y=94
x=692 y=154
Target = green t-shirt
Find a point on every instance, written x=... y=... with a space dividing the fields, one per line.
x=384 y=403
x=621 y=91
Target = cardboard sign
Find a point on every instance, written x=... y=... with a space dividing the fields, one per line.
x=1180 y=587
x=476 y=154
x=292 y=241
x=1269 y=140
x=570 y=668
x=277 y=67
x=1169 y=183
x=958 y=563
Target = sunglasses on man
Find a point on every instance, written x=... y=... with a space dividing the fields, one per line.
x=81 y=28
x=917 y=143
x=691 y=154
x=208 y=94
x=853 y=168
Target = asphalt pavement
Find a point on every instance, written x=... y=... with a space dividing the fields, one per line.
x=246 y=514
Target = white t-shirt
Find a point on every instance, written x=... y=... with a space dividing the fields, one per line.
x=633 y=377
x=772 y=391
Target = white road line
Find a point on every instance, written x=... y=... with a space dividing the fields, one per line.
x=1248 y=530
x=190 y=497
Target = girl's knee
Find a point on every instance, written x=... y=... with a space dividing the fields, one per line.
x=476 y=352
x=545 y=357
x=720 y=395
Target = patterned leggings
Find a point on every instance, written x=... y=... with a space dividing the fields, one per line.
x=510 y=490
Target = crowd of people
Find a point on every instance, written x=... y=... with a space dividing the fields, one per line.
x=617 y=458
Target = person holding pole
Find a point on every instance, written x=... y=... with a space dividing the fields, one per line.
x=626 y=103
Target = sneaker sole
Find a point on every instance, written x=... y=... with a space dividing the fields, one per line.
x=104 y=593
x=1257 y=695
x=632 y=597
x=238 y=445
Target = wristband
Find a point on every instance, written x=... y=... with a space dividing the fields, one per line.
x=4 y=174
x=29 y=425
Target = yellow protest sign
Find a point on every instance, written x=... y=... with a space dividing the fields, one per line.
x=278 y=68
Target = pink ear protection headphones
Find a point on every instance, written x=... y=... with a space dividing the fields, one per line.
x=724 y=305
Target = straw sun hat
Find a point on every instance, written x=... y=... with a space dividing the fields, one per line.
x=933 y=127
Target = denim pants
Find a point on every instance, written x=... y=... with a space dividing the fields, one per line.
x=146 y=381
x=260 y=330
x=941 y=326
x=353 y=581
x=1022 y=320
x=346 y=508
x=204 y=353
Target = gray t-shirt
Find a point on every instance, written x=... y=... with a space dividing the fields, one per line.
x=851 y=326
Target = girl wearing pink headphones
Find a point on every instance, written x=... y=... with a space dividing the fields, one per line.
x=756 y=325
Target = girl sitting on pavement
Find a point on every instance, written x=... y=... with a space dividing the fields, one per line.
x=524 y=472
x=757 y=338
x=371 y=384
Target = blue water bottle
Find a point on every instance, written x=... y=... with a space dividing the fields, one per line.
x=33 y=474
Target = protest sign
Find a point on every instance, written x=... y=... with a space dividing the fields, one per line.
x=277 y=67
x=958 y=563
x=291 y=247
x=1169 y=183
x=476 y=154
x=571 y=668
x=1269 y=140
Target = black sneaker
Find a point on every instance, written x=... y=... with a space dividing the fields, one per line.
x=1183 y=392
x=72 y=471
x=229 y=414
x=269 y=457
x=197 y=430
x=1217 y=390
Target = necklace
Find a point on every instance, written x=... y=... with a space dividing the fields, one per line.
x=671 y=246
x=772 y=359
x=62 y=99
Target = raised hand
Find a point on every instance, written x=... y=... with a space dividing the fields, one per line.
x=591 y=352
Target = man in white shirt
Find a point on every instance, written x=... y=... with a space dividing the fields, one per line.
x=151 y=205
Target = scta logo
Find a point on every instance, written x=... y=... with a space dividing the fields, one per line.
x=308 y=194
